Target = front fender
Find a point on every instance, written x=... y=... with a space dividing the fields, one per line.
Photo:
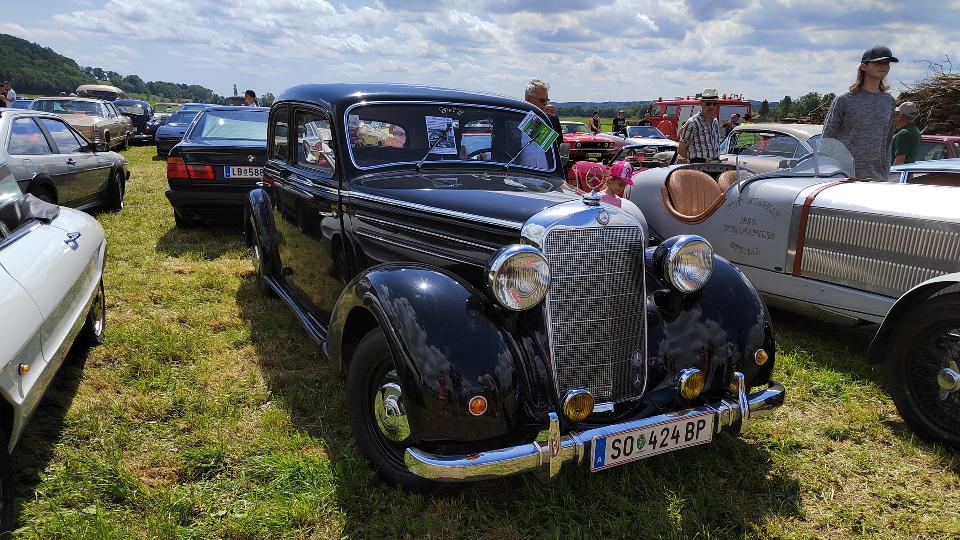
x=901 y=307
x=259 y=226
x=447 y=345
x=717 y=330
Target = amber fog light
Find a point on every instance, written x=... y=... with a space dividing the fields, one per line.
x=578 y=404
x=690 y=383
x=761 y=357
x=478 y=405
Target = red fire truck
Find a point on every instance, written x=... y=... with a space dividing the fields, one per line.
x=668 y=115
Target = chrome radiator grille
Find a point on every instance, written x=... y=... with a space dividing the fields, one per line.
x=596 y=309
x=880 y=254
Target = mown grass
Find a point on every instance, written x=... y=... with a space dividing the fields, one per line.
x=208 y=414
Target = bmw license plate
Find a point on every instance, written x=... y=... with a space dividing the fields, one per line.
x=661 y=438
x=243 y=172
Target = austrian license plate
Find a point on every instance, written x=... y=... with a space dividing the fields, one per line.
x=594 y=154
x=659 y=438
x=243 y=172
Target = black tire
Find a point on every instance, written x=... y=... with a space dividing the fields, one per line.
x=95 y=324
x=183 y=222
x=925 y=342
x=371 y=366
x=126 y=142
x=116 y=190
x=45 y=194
x=261 y=268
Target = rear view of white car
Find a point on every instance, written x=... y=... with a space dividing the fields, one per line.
x=51 y=295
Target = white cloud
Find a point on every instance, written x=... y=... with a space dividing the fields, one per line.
x=616 y=49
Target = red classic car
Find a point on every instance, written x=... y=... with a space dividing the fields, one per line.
x=938 y=147
x=585 y=146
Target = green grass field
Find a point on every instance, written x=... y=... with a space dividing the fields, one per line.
x=208 y=414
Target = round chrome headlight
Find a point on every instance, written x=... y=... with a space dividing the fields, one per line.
x=519 y=277
x=687 y=262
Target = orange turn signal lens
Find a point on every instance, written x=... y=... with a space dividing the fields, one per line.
x=761 y=357
x=478 y=405
x=578 y=404
x=691 y=382
x=24 y=369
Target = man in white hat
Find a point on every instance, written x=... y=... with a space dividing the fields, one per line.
x=907 y=140
x=700 y=134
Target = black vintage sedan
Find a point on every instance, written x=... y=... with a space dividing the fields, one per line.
x=139 y=113
x=219 y=160
x=486 y=320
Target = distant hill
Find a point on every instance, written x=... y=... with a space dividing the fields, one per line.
x=38 y=70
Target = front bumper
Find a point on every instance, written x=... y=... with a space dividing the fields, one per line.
x=549 y=455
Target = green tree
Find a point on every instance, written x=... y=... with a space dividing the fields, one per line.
x=764 y=111
x=267 y=99
x=133 y=83
x=785 y=108
x=807 y=104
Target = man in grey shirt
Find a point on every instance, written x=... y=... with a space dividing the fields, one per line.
x=862 y=119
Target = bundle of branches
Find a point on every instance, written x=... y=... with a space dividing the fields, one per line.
x=938 y=103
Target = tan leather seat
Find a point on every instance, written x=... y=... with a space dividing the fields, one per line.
x=691 y=195
x=727 y=179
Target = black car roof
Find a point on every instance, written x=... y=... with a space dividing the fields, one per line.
x=341 y=95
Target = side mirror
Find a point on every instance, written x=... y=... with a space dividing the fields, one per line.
x=98 y=146
x=564 y=153
x=787 y=163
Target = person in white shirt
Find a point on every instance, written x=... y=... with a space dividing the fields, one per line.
x=9 y=96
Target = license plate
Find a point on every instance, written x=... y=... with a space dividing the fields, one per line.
x=659 y=438
x=243 y=172
x=594 y=154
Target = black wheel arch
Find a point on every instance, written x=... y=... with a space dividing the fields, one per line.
x=447 y=344
x=43 y=181
x=259 y=226
x=911 y=299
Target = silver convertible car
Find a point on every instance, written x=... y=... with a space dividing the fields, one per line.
x=51 y=294
x=814 y=239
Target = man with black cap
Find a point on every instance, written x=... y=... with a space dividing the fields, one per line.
x=862 y=119
x=907 y=140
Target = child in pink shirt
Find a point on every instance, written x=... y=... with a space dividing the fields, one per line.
x=616 y=179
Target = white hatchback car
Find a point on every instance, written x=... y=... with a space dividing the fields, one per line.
x=51 y=294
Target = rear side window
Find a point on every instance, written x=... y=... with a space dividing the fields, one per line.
x=64 y=138
x=315 y=142
x=26 y=139
x=279 y=144
x=931 y=150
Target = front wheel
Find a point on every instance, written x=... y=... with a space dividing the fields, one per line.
x=923 y=372
x=260 y=267
x=92 y=332
x=126 y=142
x=115 y=191
x=377 y=413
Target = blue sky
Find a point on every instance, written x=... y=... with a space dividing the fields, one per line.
x=587 y=50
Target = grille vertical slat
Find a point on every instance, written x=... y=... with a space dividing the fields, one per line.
x=596 y=306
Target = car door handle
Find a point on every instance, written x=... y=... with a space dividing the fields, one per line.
x=72 y=238
x=70 y=161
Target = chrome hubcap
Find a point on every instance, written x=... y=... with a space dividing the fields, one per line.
x=390 y=413
x=97 y=310
x=948 y=380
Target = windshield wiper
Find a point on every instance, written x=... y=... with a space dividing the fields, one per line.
x=506 y=165
x=441 y=137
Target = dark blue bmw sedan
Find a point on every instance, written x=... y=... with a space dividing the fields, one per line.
x=169 y=134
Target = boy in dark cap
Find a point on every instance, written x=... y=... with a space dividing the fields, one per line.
x=862 y=119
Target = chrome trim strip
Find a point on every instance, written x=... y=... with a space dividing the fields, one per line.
x=346 y=130
x=426 y=232
x=418 y=250
x=434 y=210
x=574 y=447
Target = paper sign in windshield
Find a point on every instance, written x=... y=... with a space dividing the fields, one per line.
x=541 y=133
x=441 y=127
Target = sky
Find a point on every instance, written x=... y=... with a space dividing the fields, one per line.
x=613 y=50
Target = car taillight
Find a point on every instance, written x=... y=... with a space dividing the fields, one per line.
x=176 y=168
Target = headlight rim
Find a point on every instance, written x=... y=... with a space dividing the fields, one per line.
x=674 y=247
x=500 y=259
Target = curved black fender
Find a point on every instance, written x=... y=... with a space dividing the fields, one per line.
x=258 y=225
x=447 y=343
x=717 y=329
x=912 y=298
x=42 y=180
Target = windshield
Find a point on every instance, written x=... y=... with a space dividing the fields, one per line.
x=821 y=157
x=649 y=132
x=136 y=110
x=574 y=127
x=166 y=107
x=182 y=117
x=67 y=106
x=406 y=133
x=9 y=190
x=237 y=125
x=193 y=107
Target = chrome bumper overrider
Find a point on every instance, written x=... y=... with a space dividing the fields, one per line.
x=549 y=455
